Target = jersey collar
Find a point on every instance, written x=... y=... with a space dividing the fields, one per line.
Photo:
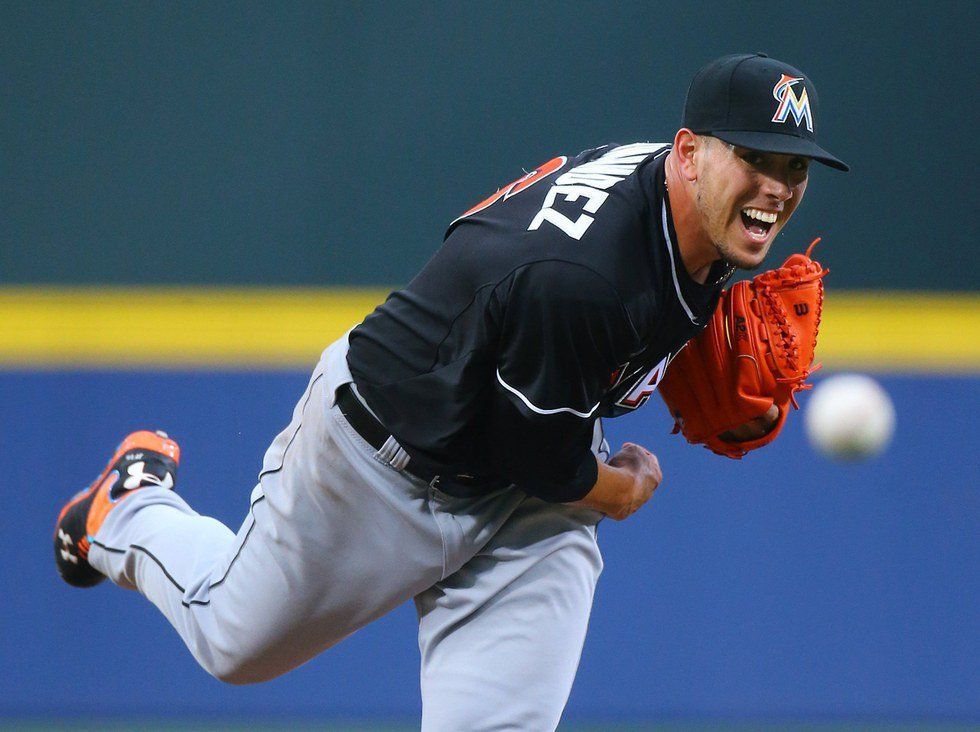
x=697 y=300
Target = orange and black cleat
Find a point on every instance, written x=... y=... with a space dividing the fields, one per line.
x=142 y=459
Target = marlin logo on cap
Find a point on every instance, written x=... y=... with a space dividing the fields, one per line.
x=789 y=103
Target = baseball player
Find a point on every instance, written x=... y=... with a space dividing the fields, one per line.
x=449 y=449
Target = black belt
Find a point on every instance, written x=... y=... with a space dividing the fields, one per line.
x=376 y=435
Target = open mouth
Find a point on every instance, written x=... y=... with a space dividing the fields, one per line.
x=758 y=222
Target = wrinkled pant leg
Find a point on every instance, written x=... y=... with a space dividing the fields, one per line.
x=501 y=638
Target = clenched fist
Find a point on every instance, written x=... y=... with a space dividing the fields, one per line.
x=625 y=483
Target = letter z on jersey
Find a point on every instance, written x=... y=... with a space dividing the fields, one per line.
x=588 y=183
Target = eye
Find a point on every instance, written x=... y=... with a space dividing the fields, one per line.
x=752 y=158
x=800 y=165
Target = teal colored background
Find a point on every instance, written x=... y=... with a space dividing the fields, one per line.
x=330 y=143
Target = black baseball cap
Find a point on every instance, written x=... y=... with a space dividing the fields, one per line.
x=754 y=101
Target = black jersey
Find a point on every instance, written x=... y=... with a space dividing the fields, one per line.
x=558 y=300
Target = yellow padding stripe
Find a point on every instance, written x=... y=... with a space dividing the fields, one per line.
x=175 y=327
x=199 y=327
x=901 y=331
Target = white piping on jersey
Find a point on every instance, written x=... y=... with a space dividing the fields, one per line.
x=353 y=388
x=673 y=265
x=539 y=410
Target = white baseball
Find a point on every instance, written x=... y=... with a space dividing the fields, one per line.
x=849 y=417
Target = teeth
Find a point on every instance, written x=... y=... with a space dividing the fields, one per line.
x=768 y=217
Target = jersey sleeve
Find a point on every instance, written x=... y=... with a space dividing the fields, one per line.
x=563 y=333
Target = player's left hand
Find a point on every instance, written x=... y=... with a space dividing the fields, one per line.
x=754 y=428
x=732 y=386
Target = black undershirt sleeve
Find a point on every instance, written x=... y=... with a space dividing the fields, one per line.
x=563 y=333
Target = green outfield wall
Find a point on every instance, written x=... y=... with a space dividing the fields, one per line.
x=318 y=144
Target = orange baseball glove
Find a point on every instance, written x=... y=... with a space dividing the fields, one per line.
x=756 y=352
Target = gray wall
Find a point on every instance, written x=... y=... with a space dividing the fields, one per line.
x=329 y=143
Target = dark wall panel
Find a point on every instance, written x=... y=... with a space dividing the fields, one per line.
x=330 y=143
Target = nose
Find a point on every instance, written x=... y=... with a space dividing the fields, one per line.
x=776 y=186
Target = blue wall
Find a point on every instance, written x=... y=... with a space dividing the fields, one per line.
x=781 y=586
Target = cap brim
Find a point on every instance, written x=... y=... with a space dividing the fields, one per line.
x=784 y=144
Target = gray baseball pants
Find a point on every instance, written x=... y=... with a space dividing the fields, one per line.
x=335 y=537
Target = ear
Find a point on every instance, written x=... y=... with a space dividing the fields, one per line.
x=686 y=145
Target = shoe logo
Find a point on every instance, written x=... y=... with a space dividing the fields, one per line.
x=66 y=542
x=139 y=478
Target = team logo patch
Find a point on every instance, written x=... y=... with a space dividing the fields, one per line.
x=791 y=103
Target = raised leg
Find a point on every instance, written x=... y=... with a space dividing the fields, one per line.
x=333 y=540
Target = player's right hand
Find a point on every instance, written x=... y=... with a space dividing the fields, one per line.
x=625 y=483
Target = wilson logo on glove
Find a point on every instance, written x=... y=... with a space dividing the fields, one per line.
x=756 y=352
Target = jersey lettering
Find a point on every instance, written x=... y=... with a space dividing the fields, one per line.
x=521 y=184
x=590 y=181
x=576 y=228
x=645 y=386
